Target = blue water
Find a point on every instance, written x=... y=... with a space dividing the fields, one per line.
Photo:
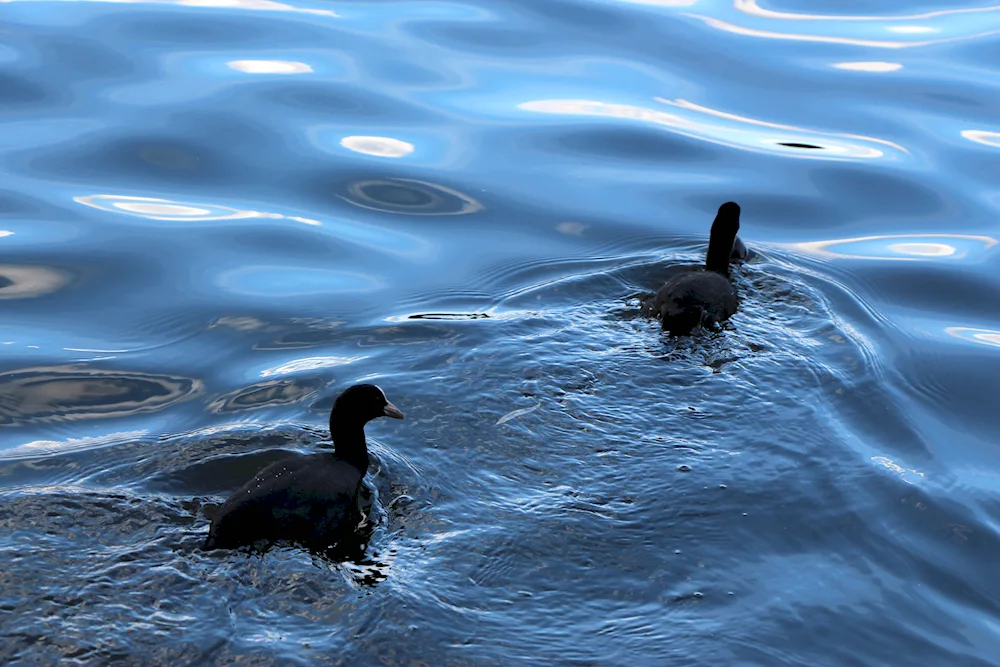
x=215 y=215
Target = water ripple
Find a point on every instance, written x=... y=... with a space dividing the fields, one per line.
x=81 y=392
x=410 y=197
x=217 y=214
x=21 y=282
x=884 y=32
x=245 y=5
x=153 y=208
x=729 y=129
x=913 y=247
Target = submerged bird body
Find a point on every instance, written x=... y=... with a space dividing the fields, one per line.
x=702 y=295
x=310 y=499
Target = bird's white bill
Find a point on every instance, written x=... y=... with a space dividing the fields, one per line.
x=391 y=410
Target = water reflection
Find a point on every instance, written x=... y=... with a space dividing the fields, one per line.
x=663 y=3
x=23 y=282
x=244 y=323
x=900 y=247
x=285 y=281
x=869 y=66
x=728 y=129
x=831 y=39
x=983 y=137
x=45 y=448
x=259 y=5
x=868 y=31
x=311 y=364
x=269 y=66
x=77 y=392
x=269 y=393
x=410 y=197
x=981 y=336
x=571 y=228
x=909 y=476
x=911 y=29
x=154 y=208
x=394 y=196
x=752 y=8
x=377 y=146
x=499 y=529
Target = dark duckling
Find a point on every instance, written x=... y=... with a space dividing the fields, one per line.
x=309 y=499
x=703 y=296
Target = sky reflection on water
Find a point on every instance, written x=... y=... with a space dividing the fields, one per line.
x=217 y=214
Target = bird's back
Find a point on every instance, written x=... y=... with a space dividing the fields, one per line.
x=694 y=297
x=302 y=498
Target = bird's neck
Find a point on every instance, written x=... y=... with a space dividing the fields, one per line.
x=720 y=248
x=349 y=442
x=718 y=267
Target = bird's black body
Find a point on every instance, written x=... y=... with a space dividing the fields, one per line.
x=693 y=299
x=702 y=295
x=310 y=499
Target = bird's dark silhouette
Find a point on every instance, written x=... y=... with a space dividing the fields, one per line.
x=308 y=499
x=696 y=296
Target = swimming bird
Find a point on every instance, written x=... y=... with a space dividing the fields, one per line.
x=702 y=295
x=740 y=251
x=309 y=499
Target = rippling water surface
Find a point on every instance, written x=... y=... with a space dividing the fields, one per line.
x=217 y=214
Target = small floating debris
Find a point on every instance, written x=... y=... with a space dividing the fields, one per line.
x=797 y=145
x=448 y=316
x=906 y=474
x=517 y=413
x=683 y=597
